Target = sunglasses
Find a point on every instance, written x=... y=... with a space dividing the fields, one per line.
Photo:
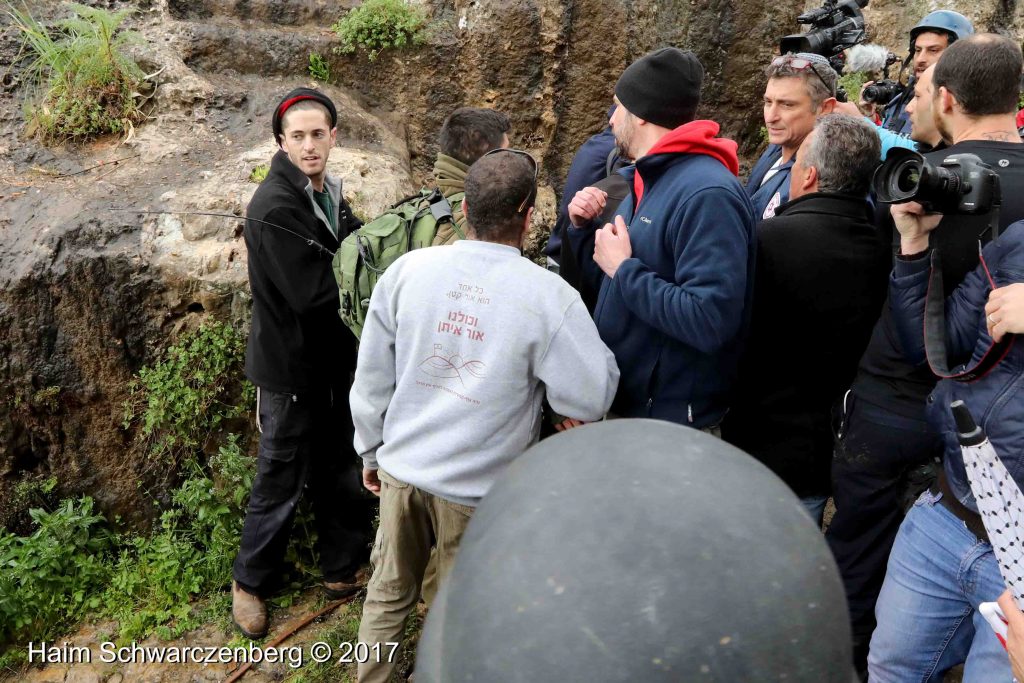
x=801 y=64
x=536 y=171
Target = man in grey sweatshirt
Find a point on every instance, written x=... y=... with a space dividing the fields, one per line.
x=460 y=346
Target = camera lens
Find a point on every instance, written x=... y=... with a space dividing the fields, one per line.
x=908 y=179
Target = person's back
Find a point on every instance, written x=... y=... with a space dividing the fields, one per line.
x=460 y=345
x=474 y=323
x=820 y=283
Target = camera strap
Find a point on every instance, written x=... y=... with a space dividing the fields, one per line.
x=935 y=329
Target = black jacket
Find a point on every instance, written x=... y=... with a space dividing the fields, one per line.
x=297 y=342
x=822 y=275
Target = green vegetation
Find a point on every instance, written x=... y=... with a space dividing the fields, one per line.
x=186 y=396
x=852 y=82
x=49 y=579
x=259 y=173
x=75 y=562
x=319 y=69
x=176 y=577
x=377 y=25
x=85 y=79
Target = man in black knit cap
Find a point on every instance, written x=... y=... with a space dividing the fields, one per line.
x=675 y=269
x=300 y=357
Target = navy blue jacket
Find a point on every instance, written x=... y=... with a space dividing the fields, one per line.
x=996 y=400
x=588 y=166
x=675 y=313
x=761 y=195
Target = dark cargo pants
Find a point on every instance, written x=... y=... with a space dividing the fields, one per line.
x=305 y=446
x=881 y=461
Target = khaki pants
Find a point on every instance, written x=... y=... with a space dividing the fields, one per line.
x=412 y=521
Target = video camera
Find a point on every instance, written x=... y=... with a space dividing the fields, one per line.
x=961 y=184
x=835 y=26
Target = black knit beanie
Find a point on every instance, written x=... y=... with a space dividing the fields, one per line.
x=662 y=87
x=298 y=95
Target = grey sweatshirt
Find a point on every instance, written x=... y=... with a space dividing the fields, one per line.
x=459 y=346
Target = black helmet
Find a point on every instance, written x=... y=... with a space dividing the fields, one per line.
x=638 y=550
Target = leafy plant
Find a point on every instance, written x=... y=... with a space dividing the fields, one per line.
x=51 y=578
x=88 y=81
x=852 y=82
x=187 y=395
x=319 y=69
x=191 y=553
x=259 y=173
x=377 y=25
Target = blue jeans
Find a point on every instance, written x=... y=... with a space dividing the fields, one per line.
x=938 y=574
x=815 y=506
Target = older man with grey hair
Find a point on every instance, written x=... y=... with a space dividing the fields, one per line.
x=822 y=274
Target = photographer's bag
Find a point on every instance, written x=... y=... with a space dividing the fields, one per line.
x=366 y=253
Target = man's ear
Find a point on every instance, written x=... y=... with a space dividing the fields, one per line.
x=828 y=106
x=945 y=101
x=526 y=227
x=465 y=208
x=334 y=135
x=810 y=177
x=280 y=142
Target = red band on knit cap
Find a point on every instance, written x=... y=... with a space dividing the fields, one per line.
x=287 y=103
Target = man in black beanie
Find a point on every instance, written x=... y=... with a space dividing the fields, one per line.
x=675 y=269
x=300 y=357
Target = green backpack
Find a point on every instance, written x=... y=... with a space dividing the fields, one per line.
x=366 y=253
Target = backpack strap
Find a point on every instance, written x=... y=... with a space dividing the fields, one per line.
x=457 y=200
x=610 y=162
x=440 y=209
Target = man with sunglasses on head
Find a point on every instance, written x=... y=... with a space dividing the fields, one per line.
x=675 y=269
x=801 y=87
x=459 y=348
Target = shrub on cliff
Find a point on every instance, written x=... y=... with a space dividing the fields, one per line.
x=377 y=25
x=86 y=83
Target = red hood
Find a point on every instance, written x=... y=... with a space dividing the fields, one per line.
x=696 y=137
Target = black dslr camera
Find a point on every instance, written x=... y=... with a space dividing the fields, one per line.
x=882 y=92
x=961 y=184
x=834 y=27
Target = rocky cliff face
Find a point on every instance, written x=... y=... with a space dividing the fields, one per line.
x=89 y=294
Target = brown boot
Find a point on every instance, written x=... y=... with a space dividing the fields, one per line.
x=249 y=612
x=335 y=590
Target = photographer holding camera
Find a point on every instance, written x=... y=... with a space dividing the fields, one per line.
x=885 y=434
x=801 y=87
x=928 y=39
x=943 y=537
